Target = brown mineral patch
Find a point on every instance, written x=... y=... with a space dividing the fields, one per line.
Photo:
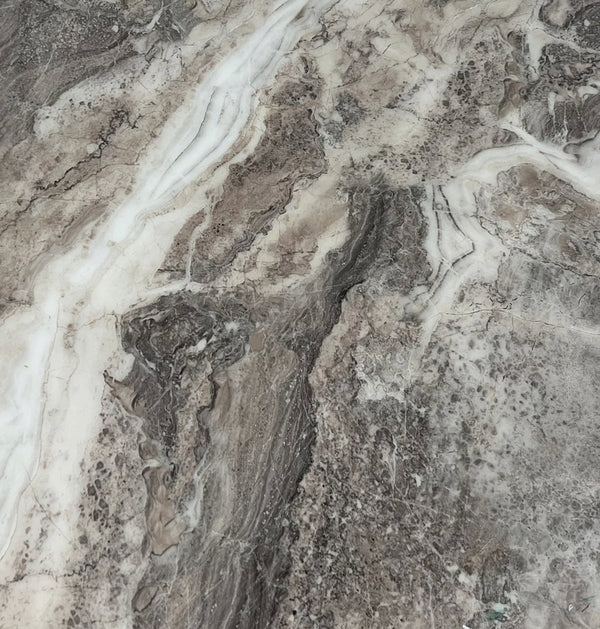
x=257 y=190
x=257 y=341
x=163 y=529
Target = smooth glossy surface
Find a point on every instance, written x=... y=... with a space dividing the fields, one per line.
x=299 y=324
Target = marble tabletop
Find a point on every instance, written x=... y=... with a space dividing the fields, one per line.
x=298 y=317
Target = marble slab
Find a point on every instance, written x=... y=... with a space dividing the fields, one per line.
x=300 y=314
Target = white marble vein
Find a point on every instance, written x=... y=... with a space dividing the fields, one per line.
x=51 y=387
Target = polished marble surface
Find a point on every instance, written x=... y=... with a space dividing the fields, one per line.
x=300 y=314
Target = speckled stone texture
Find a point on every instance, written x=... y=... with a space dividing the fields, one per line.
x=300 y=314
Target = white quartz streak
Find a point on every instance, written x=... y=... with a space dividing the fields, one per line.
x=52 y=388
x=454 y=260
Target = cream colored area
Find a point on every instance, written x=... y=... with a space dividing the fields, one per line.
x=313 y=225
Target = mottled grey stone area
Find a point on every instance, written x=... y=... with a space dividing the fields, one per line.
x=312 y=293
